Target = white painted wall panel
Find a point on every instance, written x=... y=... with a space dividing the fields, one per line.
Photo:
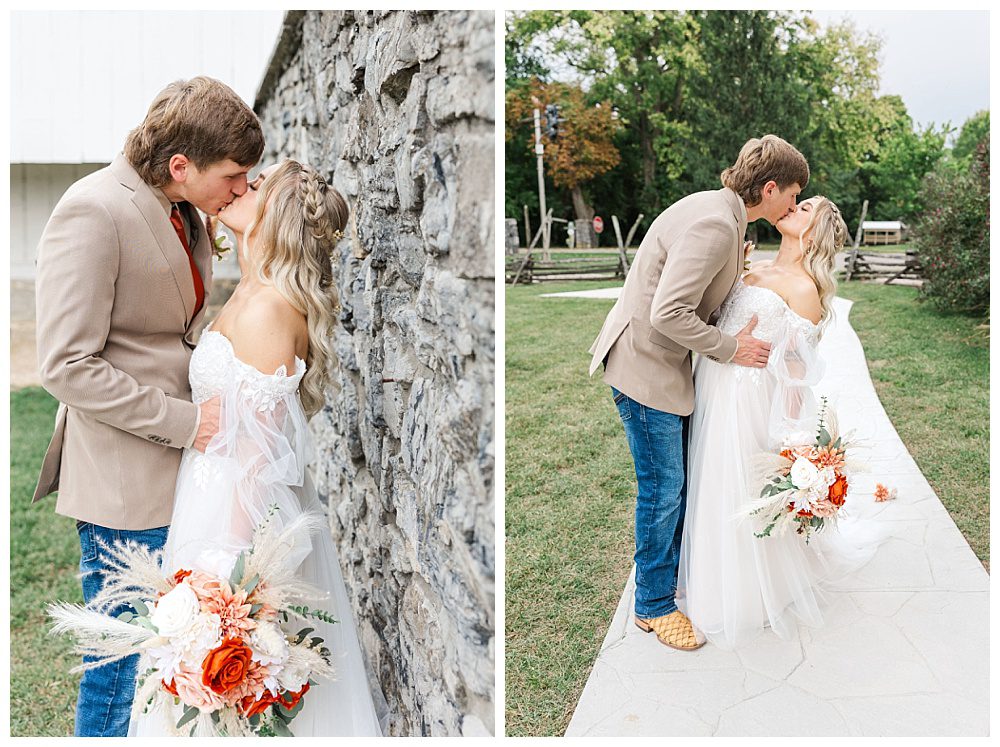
x=81 y=80
x=34 y=191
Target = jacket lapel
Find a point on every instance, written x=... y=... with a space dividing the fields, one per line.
x=158 y=220
x=739 y=211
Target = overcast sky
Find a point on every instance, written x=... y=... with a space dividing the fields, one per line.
x=937 y=61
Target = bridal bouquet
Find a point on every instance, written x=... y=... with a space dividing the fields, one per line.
x=217 y=646
x=808 y=482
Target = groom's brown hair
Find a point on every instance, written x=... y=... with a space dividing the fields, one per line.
x=202 y=119
x=762 y=160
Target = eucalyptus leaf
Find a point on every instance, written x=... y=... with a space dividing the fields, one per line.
x=126 y=616
x=250 y=585
x=140 y=607
x=281 y=729
x=824 y=437
x=189 y=713
x=255 y=608
x=237 y=574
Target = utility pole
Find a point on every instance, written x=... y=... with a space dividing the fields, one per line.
x=539 y=151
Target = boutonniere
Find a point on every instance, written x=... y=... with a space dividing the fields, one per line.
x=748 y=247
x=221 y=244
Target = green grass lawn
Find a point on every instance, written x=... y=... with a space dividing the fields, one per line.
x=570 y=483
x=44 y=558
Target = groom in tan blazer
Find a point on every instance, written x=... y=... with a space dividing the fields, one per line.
x=124 y=270
x=688 y=261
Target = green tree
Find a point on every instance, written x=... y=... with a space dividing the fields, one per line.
x=903 y=155
x=973 y=131
x=953 y=234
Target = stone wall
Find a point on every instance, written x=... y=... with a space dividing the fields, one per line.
x=397 y=108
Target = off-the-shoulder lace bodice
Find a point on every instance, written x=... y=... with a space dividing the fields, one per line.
x=773 y=314
x=214 y=365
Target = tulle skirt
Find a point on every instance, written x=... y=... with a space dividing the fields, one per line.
x=350 y=705
x=730 y=583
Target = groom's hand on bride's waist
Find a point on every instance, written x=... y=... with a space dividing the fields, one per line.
x=750 y=351
x=208 y=426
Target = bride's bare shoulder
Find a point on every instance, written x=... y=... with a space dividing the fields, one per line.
x=802 y=296
x=269 y=332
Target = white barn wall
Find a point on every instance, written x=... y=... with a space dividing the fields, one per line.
x=34 y=191
x=81 y=80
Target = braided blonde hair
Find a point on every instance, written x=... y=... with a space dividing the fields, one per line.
x=825 y=235
x=299 y=221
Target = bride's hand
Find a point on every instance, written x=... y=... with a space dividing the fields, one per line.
x=751 y=352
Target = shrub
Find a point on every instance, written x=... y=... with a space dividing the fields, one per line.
x=953 y=234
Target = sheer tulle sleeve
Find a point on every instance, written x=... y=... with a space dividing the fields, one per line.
x=262 y=449
x=797 y=367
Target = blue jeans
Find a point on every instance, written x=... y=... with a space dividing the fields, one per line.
x=105 y=701
x=658 y=442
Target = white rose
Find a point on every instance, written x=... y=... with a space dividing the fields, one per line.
x=216 y=562
x=269 y=646
x=804 y=474
x=175 y=611
x=292 y=678
x=204 y=634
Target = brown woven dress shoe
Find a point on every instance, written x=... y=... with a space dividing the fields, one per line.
x=674 y=630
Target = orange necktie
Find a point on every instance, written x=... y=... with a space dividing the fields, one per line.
x=199 y=285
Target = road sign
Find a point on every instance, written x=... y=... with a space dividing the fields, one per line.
x=598 y=224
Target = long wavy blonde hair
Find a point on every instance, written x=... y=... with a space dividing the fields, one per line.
x=821 y=240
x=299 y=220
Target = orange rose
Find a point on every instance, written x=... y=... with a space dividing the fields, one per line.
x=224 y=667
x=838 y=491
x=294 y=698
x=251 y=707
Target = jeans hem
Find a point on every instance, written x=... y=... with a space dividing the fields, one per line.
x=649 y=616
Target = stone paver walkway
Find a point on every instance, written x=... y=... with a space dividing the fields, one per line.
x=905 y=647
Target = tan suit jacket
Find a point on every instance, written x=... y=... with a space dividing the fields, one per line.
x=114 y=305
x=687 y=263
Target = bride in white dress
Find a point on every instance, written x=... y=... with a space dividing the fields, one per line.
x=267 y=357
x=732 y=584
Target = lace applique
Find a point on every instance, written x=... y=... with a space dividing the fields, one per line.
x=745 y=372
x=263 y=391
x=204 y=471
x=773 y=314
x=214 y=366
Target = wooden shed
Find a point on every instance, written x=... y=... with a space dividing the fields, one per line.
x=883 y=232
